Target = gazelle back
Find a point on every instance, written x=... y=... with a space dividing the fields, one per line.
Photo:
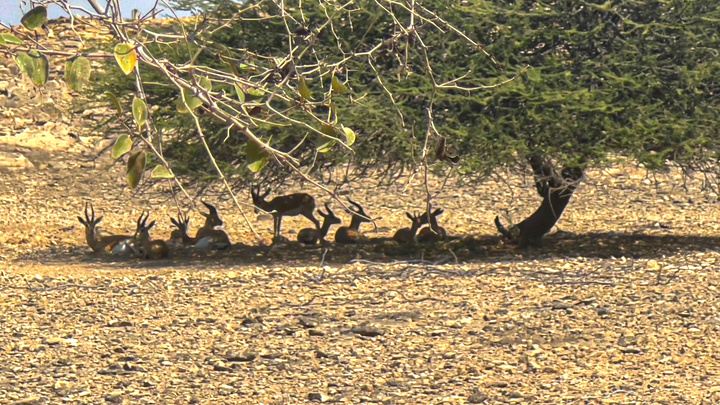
x=285 y=206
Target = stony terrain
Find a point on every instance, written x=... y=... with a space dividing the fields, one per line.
x=618 y=307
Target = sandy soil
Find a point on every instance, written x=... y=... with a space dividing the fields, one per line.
x=619 y=307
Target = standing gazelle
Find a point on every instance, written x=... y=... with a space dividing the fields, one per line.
x=285 y=206
x=434 y=232
x=152 y=249
x=352 y=234
x=311 y=236
x=114 y=244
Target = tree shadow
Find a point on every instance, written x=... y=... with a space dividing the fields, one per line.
x=467 y=249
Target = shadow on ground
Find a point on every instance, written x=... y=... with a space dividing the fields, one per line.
x=470 y=249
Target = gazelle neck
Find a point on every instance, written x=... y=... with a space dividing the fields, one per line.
x=263 y=205
x=187 y=239
x=414 y=228
x=434 y=223
x=325 y=228
x=355 y=222
x=91 y=235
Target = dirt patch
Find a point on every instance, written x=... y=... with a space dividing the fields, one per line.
x=618 y=307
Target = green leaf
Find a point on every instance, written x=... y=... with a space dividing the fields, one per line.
x=10 y=39
x=139 y=110
x=205 y=83
x=257 y=157
x=240 y=93
x=533 y=75
x=35 y=65
x=326 y=143
x=34 y=18
x=126 y=57
x=135 y=168
x=122 y=146
x=254 y=93
x=115 y=102
x=77 y=72
x=349 y=136
x=160 y=172
x=338 y=86
x=191 y=101
x=304 y=89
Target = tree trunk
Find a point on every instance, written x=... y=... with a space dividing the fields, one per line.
x=555 y=190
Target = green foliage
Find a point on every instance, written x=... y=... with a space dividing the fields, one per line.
x=161 y=172
x=123 y=145
x=77 y=72
x=10 y=39
x=136 y=168
x=34 y=18
x=577 y=81
x=140 y=113
x=126 y=57
x=35 y=65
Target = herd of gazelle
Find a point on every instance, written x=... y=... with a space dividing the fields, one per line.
x=212 y=236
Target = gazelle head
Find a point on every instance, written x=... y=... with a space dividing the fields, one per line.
x=212 y=218
x=329 y=218
x=181 y=233
x=142 y=231
x=431 y=217
x=257 y=198
x=358 y=215
x=90 y=221
x=407 y=235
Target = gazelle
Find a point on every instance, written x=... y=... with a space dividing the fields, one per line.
x=114 y=244
x=406 y=236
x=207 y=237
x=180 y=234
x=152 y=249
x=285 y=206
x=434 y=232
x=352 y=234
x=212 y=220
x=311 y=236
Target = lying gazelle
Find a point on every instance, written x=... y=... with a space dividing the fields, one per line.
x=311 y=236
x=207 y=237
x=114 y=244
x=152 y=249
x=406 y=236
x=434 y=232
x=180 y=234
x=285 y=206
x=352 y=234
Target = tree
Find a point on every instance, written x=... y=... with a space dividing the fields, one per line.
x=284 y=100
x=558 y=86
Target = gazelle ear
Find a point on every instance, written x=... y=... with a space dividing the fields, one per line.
x=211 y=208
x=327 y=208
x=412 y=218
x=98 y=219
x=82 y=221
x=149 y=226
